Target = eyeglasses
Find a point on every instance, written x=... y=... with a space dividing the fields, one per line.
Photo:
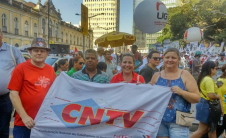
x=157 y=58
x=81 y=63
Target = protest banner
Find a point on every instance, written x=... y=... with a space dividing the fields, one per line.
x=74 y=108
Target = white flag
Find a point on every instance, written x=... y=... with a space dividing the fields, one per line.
x=80 y=109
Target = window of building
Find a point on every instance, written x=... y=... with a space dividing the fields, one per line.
x=16 y=25
x=74 y=40
x=62 y=34
x=43 y=26
x=70 y=39
x=4 y=23
x=26 y=28
x=66 y=38
x=77 y=41
x=35 y=30
x=56 y=30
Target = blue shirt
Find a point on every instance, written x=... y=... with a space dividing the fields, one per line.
x=99 y=77
x=176 y=102
x=7 y=65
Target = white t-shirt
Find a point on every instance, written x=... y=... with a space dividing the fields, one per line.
x=114 y=58
x=101 y=59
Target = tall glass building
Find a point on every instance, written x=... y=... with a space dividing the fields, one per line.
x=106 y=23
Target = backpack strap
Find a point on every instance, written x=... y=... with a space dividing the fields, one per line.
x=11 y=50
x=138 y=78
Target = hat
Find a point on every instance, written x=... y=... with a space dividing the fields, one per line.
x=198 y=53
x=39 y=43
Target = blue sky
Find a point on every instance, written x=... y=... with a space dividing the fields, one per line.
x=68 y=8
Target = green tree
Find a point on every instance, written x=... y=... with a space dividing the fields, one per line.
x=196 y=13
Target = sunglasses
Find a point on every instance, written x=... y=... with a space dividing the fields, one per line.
x=81 y=63
x=157 y=58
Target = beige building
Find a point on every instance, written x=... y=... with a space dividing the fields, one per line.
x=107 y=19
x=22 y=21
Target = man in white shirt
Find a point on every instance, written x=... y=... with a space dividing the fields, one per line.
x=100 y=52
x=114 y=57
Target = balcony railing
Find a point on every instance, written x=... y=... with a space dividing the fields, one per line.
x=16 y=31
x=4 y=29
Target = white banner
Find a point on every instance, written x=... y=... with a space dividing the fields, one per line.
x=80 y=109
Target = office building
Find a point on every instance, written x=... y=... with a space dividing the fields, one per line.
x=104 y=16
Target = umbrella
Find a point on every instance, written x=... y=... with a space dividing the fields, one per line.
x=115 y=39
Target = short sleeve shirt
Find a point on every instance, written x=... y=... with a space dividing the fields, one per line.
x=110 y=68
x=147 y=72
x=207 y=86
x=71 y=72
x=100 y=77
x=222 y=92
x=195 y=62
x=32 y=83
x=7 y=65
x=119 y=78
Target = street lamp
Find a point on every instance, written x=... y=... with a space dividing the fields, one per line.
x=89 y=22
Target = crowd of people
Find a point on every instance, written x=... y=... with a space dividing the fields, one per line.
x=24 y=84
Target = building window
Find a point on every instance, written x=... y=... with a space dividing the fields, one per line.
x=50 y=28
x=70 y=39
x=66 y=38
x=35 y=30
x=62 y=34
x=56 y=30
x=74 y=40
x=16 y=26
x=43 y=26
x=26 y=27
x=4 y=23
x=77 y=41
x=16 y=45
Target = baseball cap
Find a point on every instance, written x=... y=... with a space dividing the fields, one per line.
x=39 y=43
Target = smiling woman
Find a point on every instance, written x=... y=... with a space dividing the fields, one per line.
x=185 y=92
x=128 y=75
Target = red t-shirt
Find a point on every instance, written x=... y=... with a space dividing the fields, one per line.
x=119 y=78
x=32 y=83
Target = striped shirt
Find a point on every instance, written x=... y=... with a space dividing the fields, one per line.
x=99 y=77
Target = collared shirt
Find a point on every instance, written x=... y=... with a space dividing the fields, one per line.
x=119 y=78
x=99 y=77
x=110 y=68
x=7 y=65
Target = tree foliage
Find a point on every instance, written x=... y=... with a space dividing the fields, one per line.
x=196 y=13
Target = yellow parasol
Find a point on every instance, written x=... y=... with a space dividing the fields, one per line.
x=115 y=39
